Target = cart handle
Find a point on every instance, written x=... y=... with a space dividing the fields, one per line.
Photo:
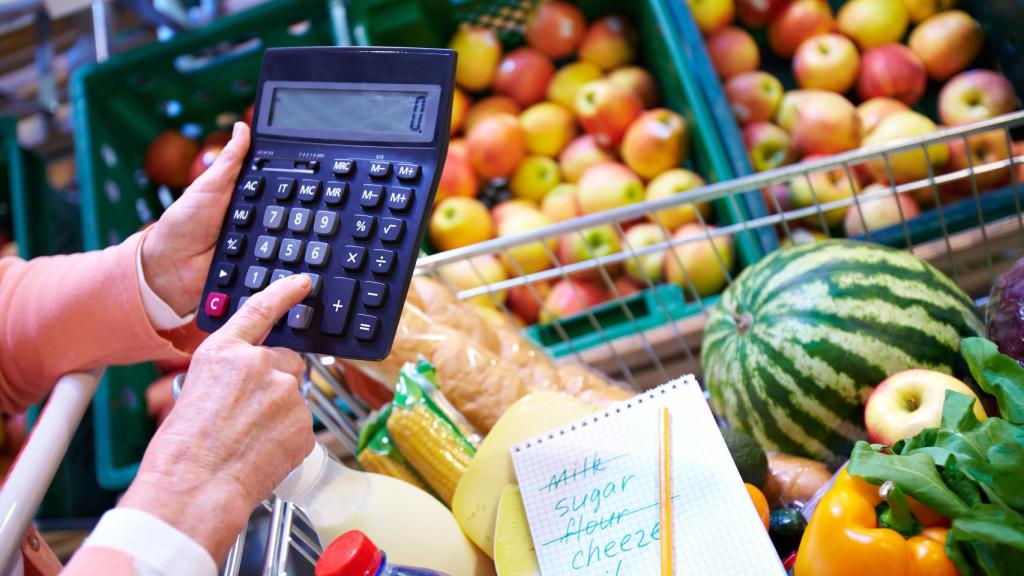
x=35 y=466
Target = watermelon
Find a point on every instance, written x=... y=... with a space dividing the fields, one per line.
x=796 y=344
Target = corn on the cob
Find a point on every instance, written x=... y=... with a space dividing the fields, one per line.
x=383 y=464
x=431 y=446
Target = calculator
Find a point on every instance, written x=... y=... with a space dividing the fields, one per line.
x=347 y=149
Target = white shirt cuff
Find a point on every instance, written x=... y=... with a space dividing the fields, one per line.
x=160 y=313
x=158 y=549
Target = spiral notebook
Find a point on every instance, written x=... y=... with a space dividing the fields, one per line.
x=591 y=493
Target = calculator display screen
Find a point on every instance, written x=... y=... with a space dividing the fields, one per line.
x=354 y=113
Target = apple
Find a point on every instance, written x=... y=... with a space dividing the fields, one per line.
x=872 y=111
x=985 y=148
x=753 y=96
x=768 y=146
x=490 y=106
x=589 y=244
x=581 y=154
x=525 y=301
x=496 y=146
x=670 y=183
x=247 y=116
x=217 y=138
x=203 y=160
x=892 y=70
x=534 y=178
x=778 y=198
x=798 y=236
x=528 y=257
x=872 y=23
x=607 y=186
x=1018 y=152
x=509 y=207
x=732 y=50
x=457 y=176
x=469 y=273
x=625 y=286
x=826 y=62
x=479 y=51
x=459 y=221
x=919 y=10
x=606 y=109
x=797 y=22
x=887 y=210
x=460 y=108
x=168 y=159
x=975 y=95
x=788 y=111
x=638 y=80
x=644 y=267
x=556 y=28
x=826 y=123
x=757 y=13
x=712 y=15
x=609 y=43
x=656 y=141
x=823 y=187
x=568 y=80
x=560 y=203
x=947 y=43
x=906 y=166
x=548 y=127
x=569 y=297
x=523 y=75
x=907 y=402
x=702 y=264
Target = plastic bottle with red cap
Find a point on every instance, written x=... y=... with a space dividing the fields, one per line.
x=354 y=554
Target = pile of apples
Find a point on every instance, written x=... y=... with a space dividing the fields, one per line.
x=860 y=73
x=564 y=126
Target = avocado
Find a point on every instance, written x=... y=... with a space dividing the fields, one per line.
x=748 y=456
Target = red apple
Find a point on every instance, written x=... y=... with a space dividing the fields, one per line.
x=606 y=186
x=907 y=402
x=1018 y=160
x=753 y=96
x=985 y=148
x=826 y=123
x=757 y=13
x=778 y=198
x=496 y=146
x=732 y=50
x=523 y=75
x=712 y=15
x=606 y=109
x=556 y=28
x=250 y=111
x=874 y=110
x=609 y=43
x=638 y=80
x=488 y=107
x=878 y=213
x=797 y=22
x=525 y=301
x=505 y=209
x=892 y=70
x=976 y=95
x=826 y=62
x=589 y=244
x=457 y=176
x=655 y=142
x=947 y=43
x=625 y=286
x=479 y=51
x=768 y=146
x=873 y=23
x=217 y=138
x=570 y=297
x=169 y=158
x=203 y=160
x=580 y=154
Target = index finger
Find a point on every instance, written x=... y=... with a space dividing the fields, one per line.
x=254 y=320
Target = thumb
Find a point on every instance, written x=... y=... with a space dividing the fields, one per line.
x=222 y=173
x=254 y=320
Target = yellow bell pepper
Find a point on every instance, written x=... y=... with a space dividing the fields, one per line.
x=844 y=538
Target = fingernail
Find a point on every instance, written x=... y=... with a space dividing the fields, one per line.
x=302 y=279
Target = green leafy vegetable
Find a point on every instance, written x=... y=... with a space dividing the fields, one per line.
x=997 y=374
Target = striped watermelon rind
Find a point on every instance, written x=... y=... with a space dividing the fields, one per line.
x=797 y=342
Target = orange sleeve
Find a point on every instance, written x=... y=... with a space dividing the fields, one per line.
x=74 y=312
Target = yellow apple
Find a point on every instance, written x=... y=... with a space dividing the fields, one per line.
x=702 y=264
x=548 y=127
x=479 y=51
x=670 y=183
x=534 y=178
x=482 y=270
x=460 y=221
x=569 y=79
x=528 y=257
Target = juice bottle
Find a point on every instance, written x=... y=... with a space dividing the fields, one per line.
x=413 y=526
x=354 y=554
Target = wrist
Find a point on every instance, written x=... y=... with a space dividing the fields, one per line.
x=162 y=275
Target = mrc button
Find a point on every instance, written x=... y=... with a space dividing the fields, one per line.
x=343 y=166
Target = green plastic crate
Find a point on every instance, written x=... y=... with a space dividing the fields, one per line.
x=118 y=107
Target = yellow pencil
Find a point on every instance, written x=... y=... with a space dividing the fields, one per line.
x=665 y=465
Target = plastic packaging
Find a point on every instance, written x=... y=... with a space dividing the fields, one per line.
x=376 y=451
x=354 y=554
x=793 y=481
x=410 y=524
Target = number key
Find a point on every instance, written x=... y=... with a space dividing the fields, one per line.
x=256 y=278
x=291 y=250
x=266 y=247
x=326 y=223
x=273 y=217
x=317 y=253
x=279 y=274
x=298 y=221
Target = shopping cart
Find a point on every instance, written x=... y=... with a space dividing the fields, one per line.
x=647 y=353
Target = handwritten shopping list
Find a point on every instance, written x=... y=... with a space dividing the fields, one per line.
x=592 y=498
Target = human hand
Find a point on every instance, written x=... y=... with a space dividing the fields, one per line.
x=177 y=252
x=238 y=428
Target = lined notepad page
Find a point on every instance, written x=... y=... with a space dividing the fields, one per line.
x=591 y=493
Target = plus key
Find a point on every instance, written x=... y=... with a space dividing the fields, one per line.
x=338 y=292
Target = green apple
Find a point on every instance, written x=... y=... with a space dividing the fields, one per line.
x=644 y=267
x=534 y=178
